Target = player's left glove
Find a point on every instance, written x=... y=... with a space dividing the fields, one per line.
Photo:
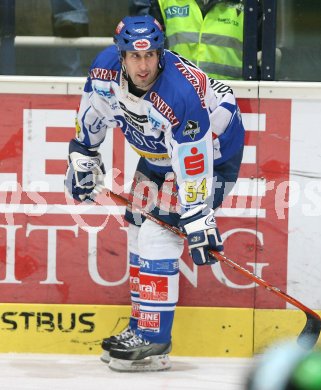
x=202 y=234
x=85 y=171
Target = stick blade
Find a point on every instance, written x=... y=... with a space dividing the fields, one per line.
x=310 y=333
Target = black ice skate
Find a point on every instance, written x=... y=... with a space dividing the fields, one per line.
x=112 y=341
x=137 y=354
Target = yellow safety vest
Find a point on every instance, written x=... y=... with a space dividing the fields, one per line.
x=214 y=43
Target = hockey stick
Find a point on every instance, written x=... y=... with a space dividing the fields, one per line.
x=311 y=331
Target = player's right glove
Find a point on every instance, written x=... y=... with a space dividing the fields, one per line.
x=202 y=234
x=85 y=171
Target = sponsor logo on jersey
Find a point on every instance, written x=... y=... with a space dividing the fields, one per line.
x=177 y=12
x=149 y=320
x=88 y=165
x=153 y=288
x=134 y=283
x=210 y=221
x=132 y=123
x=142 y=44
x=157 y=266
x=141 y=119
x=192 y=128
x=135 y=310
x=197 y=78
x=220 y=87
x=97 y=126
x=144 y=263
x=163 y=108
x=104 y=74
x=193 y=160
x=194 y=164
x=134 y=279
x=156 y=123
x=105 y=92
x=134 y=120
x=142 y=142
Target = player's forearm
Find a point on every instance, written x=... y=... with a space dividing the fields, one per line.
x=91 y=124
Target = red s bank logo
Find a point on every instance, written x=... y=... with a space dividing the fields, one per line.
x=194 y=164
x=193 y=160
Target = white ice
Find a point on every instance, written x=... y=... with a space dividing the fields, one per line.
x=87 y=372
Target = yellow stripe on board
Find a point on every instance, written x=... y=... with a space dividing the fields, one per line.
x=197 y=331
x=276 y=325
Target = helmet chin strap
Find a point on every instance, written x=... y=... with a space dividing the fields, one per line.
x=123 y=68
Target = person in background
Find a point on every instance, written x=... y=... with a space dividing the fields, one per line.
x=7 y=37
x=69 y=20
x=170 y=112
x=141 y=7
x=207 y=32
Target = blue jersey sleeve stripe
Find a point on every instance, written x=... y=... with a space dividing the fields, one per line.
x=230 y=107
x=88 y=87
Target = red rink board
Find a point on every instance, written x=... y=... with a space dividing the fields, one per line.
x=49 y=259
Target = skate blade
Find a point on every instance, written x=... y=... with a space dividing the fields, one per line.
x=105 y=357
x=151 y=363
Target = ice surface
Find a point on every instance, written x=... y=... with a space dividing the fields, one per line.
x=84 y=372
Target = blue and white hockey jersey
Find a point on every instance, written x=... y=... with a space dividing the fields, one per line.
x=172 y=125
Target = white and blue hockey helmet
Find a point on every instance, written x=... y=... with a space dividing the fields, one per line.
x=136 y=33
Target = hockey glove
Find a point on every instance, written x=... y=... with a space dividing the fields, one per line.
x=202 y=234
x=85 y=171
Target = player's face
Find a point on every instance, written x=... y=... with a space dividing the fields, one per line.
x=142 y=67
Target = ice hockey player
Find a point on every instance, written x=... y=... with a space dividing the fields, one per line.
x=188 y=131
